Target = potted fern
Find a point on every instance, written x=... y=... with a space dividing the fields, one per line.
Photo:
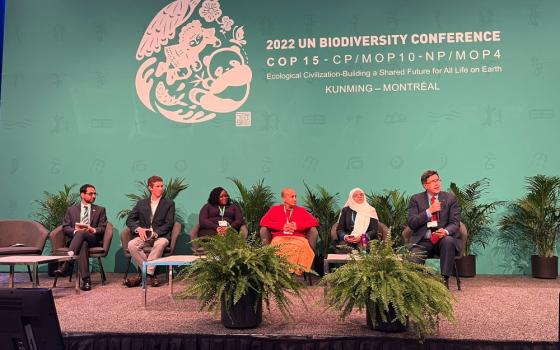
x=323 y=206
x=477 y=217
x=239 y=277
x=533 y=222
x=51 y=210
x=392 y=209
x=254 y=202
x=395 y=292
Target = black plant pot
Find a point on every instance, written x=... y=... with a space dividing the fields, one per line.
x=393 y=327
x=243 y=314
x=544 y=267
x=319 y=265
x=466 y=266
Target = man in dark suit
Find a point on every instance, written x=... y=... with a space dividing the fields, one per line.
x=151 y=220
x=433 y=216
x=83 y=226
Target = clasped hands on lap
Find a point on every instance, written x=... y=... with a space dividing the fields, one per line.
x=352 y=239
x=146 y=234
x=290 y=228
x=439 y=232
x=83 y=227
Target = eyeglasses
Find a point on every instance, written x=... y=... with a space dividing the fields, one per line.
x=91 y=193
x=433 y=181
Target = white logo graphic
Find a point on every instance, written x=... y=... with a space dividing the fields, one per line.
x=201 y=72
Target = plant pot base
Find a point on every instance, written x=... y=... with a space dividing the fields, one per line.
x=243 y=314
x=390 y=327
x=466 y=266
x=544 y=267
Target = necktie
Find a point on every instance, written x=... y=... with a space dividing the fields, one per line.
x=85 y=216
x=434 y=215
x=434 y=238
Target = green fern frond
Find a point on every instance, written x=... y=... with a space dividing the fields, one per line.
x=254 y=203
x=51 y=209
x=324 y=206
x=476 y=216
x=232 y=267
x=532 y=224
x=385 y=277
x=392 y=210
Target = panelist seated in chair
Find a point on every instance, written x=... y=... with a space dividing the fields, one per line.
x=356 y=218
x=291 y=228
x=151 y=221
x=219 y=214
x=83 y=226
x=433 y=217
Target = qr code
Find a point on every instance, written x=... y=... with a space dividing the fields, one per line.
x=243 y=119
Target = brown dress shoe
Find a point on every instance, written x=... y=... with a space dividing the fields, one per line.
x=133 y=281
x=153 y=280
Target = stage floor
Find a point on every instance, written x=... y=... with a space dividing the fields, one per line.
x=488 y=308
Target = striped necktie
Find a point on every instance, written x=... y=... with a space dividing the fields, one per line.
x=85 y=216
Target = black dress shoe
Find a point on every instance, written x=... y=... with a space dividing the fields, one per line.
x=86 y=285
x=62 y=271
x=446 y=281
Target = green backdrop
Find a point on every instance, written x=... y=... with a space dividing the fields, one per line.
x=70 y=112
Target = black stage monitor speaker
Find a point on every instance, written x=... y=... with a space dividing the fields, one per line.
x=28 y=320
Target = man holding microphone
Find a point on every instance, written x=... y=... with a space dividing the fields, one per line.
x=433 y=216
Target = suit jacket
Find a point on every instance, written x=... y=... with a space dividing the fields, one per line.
x=162 y=222
x=346 y=225
x=98 y=220
x=449 y=218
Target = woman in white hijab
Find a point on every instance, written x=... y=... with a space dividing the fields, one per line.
x=357 y=217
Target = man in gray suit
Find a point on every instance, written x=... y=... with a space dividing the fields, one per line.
x=151 y=220
x=433 y=216
x=83 y=226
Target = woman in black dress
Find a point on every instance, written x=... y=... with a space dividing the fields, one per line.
x=219 y=214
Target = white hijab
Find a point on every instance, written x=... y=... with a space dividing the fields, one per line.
x=364 y=212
